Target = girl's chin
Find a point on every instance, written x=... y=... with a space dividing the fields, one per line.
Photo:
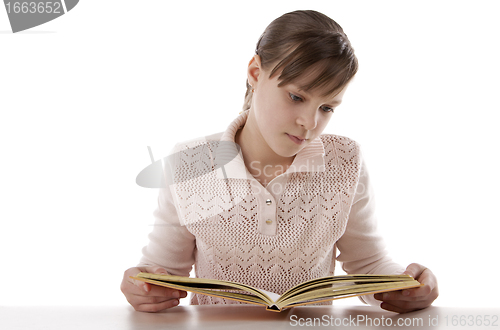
x=288 y=152
x=285 y=147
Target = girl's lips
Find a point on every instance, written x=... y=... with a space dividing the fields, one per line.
x=295 y=139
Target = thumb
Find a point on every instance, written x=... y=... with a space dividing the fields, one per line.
x=152 y=270
x=156 y=270
x=414 y=270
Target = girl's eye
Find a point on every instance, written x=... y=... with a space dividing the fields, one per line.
x=327 y=109
x=295 y=98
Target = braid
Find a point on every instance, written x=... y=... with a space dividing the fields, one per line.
x=248 y=97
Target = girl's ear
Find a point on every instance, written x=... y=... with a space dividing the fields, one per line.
x=254 y=70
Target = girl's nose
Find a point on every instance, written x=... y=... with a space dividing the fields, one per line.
x=308 y=119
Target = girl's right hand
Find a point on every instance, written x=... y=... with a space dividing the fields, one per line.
x=145 y=297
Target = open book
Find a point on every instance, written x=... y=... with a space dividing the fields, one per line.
x=309 y=292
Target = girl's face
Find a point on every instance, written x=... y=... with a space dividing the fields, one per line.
x=287 y=118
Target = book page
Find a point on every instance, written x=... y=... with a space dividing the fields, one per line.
x=273 y=296
x=209 y=287
x=344 y=291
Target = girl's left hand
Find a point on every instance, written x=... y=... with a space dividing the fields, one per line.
x=409 y=300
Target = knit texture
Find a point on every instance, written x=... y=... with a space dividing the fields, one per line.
x=221 y=222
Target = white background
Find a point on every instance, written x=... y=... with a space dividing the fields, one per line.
x=81 y=98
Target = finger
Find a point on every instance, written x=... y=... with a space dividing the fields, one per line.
x=154 y=297
x=417 y=293
x=414 y=270
x=160 y=291
x=153 y=270
x=138 y=292
x=156 y=290
x=413 y=294
x=136 y=300
x=403 y=306
x=156 y=270
x=395 y=296
x=430 y=285
x=149 y=269
x=391 y=308
x=150 y=303
x=136 y=287
x=153 y=291
x=152 y=308
x=141 y=287
x=134 y=272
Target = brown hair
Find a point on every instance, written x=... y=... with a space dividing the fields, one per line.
x=303 y=41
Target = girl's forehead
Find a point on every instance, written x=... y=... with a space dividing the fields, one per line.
x=328 y=90
x=321 y=93
x=315 y=79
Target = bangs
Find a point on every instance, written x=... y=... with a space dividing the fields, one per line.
x=324 y=64
x=308 y=49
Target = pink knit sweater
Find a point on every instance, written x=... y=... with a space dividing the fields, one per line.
x=226 y=224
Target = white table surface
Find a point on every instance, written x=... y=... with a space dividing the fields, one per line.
x=241 y=317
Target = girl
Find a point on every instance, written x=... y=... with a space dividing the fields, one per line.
x=285 y=197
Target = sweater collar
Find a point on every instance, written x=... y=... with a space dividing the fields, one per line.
x=309 y=159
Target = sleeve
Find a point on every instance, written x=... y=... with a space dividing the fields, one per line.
x=170 y=245
x=362 y=248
